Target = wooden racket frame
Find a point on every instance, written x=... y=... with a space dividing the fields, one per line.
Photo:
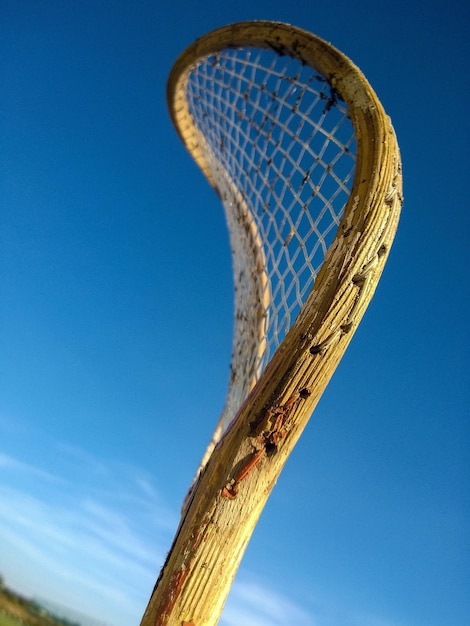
x=242 y=470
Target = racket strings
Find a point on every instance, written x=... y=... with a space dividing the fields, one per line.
x=281 y=150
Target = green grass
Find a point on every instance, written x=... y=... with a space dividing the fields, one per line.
x=7 y=620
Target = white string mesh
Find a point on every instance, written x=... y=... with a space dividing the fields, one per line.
x=281 y=150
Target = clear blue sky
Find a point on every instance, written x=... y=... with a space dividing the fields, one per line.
x=116 y=322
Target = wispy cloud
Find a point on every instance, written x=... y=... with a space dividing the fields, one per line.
x=8 y=462
x=86 y=539
x=252 y=603
x=92 y=534
x=90 y=542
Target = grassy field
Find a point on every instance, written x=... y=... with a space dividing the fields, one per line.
x=7 y=620
x=15 y=610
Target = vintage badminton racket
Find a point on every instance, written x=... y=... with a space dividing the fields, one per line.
x=298 y=147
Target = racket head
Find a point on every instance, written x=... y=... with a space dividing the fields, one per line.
x=371 y=196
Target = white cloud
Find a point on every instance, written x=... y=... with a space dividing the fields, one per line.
x=93 y=534
x=87 y=544
x=10 y=463
x=91 y=541
x=254 y=604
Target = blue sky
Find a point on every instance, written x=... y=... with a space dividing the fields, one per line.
x=116 y=321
